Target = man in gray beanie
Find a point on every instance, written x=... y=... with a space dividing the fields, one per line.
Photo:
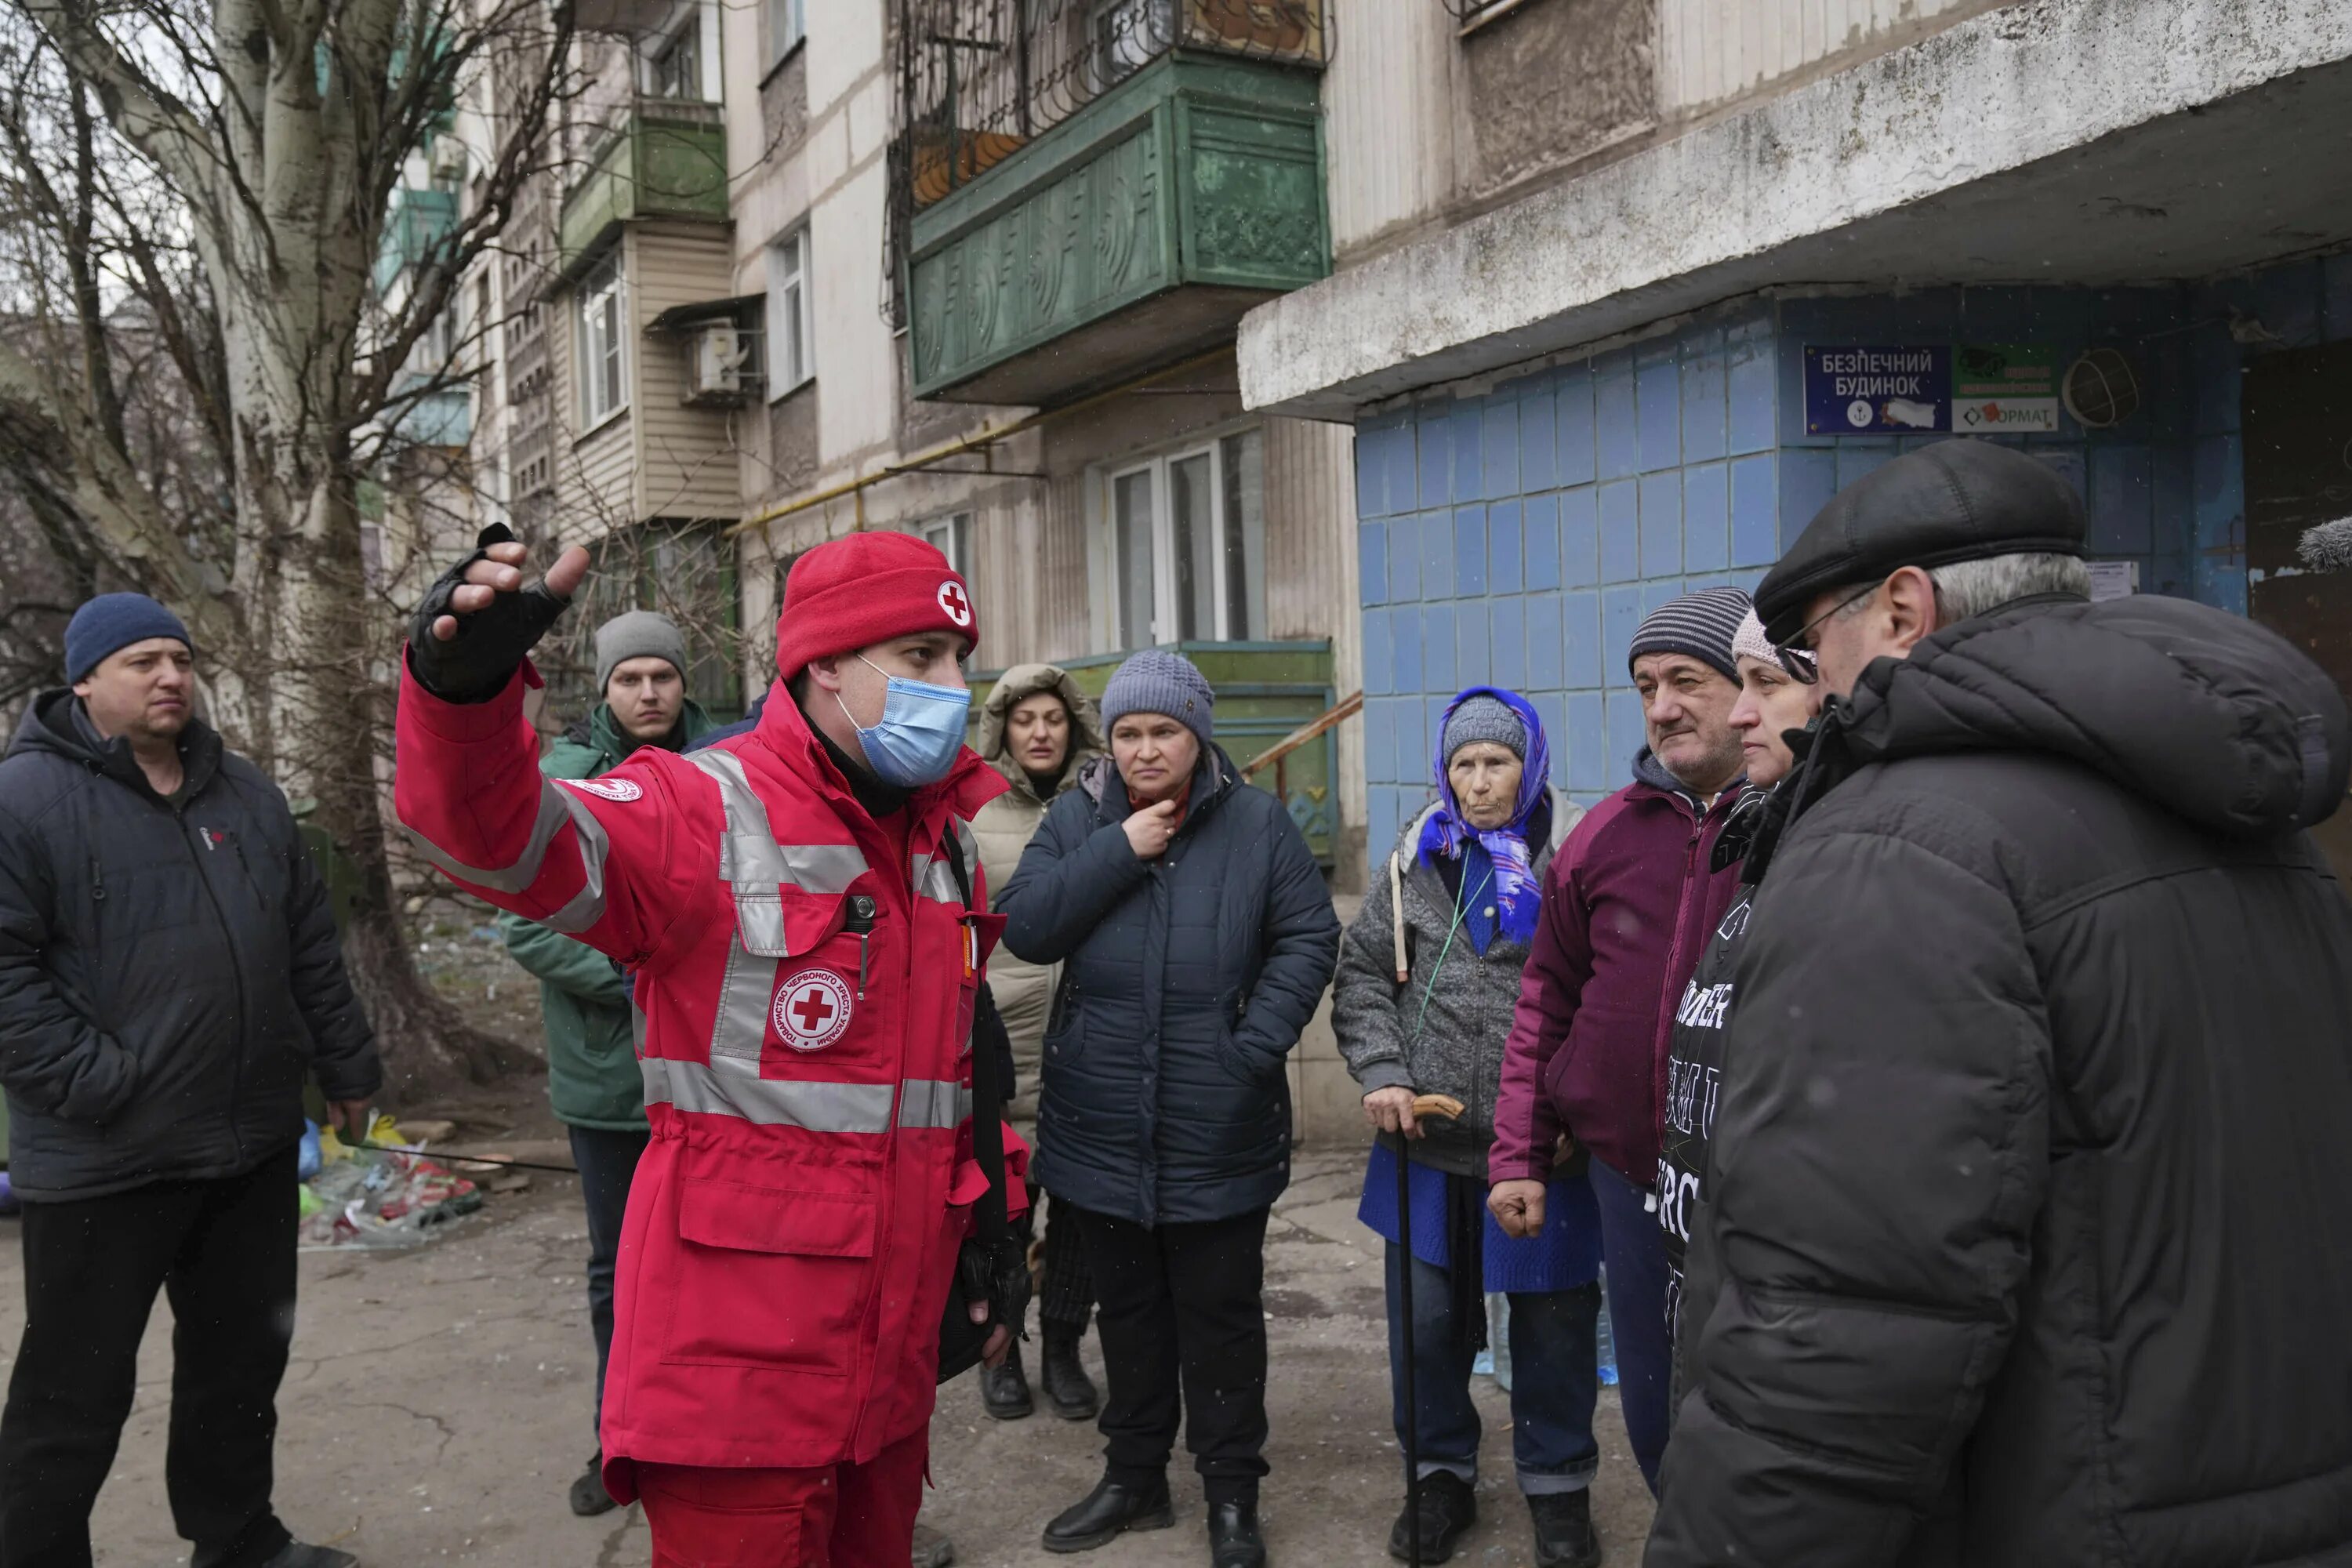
x=592 y=1063
x=641 y=675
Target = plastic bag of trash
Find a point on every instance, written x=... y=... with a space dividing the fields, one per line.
x=309 y=1158
x=386 y=1196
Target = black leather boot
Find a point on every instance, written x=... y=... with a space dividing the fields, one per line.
x=1564 y=1533
x=1004 y=1389
x=1068 y=1389
x=588 y=1496
x=1233 y=1538
x=1449 y=1507
x=1108 y=1509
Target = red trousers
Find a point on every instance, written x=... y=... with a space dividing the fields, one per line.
x=838 y=1515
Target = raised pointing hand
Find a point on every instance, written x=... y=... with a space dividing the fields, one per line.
x=501 y=573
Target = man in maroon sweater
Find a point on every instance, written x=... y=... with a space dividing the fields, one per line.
x=1628 y=904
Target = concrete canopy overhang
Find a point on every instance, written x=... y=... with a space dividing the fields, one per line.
x=2083 y=141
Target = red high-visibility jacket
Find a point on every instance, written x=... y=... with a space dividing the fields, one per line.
x=805 y=988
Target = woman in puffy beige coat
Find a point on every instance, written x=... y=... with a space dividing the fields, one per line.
x=1036 y=728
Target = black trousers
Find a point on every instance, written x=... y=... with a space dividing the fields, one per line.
x=608 y=1162
x=1182 y=1305
x=224 y=1252
x=1067 y=1297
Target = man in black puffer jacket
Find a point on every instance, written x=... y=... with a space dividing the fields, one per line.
x=2027 y=1243
x=169 y=968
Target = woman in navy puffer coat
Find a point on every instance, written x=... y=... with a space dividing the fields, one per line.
x=1196 y=936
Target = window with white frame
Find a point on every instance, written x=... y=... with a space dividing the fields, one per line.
x=675 y=70
x=951 y=536
x=787 y=26
x=604 y=341
x=792 y=356
x=1187 y=544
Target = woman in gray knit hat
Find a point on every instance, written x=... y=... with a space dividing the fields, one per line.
x=1429 y=980
x=1195 y=936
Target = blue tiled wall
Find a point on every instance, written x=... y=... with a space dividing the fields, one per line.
x=1517 y=536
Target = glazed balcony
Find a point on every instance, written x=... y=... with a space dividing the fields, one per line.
x=666 y=158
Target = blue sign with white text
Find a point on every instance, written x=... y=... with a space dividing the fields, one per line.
x=1878 y=390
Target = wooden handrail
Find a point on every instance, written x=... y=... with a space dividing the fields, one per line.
x=1347 y=707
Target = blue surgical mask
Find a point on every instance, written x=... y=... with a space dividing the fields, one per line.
x=920 y=733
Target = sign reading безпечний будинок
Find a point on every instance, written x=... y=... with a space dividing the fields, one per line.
x=1885 y=391
x=1971 y=389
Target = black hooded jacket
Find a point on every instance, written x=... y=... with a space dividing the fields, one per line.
x=2027 y=1241
x=167 y=971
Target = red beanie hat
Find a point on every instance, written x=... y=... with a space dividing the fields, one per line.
x=852 y=593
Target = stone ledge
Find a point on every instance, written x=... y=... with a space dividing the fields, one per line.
x=2099 y=142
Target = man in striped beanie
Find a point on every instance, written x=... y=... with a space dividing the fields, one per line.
x=1629 y=902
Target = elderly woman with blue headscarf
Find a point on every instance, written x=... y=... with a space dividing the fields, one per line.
x=1429 y=976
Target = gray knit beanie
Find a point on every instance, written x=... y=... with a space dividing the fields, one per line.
x=1701 y=624
x=1485 y=719
x=1156 y=682
x=637 y=634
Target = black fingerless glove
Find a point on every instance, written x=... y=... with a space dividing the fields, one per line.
x=492 y=643
x=994 y=1271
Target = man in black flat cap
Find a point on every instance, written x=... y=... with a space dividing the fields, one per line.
x=2027 y=1241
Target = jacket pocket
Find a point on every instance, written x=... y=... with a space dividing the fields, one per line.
x=768 y=1277
x=1244 y=1066
x=783 y=921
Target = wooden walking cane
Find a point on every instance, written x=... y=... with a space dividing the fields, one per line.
x=1423 y=1105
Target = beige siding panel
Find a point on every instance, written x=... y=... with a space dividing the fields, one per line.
x=593 y=476
x=1310 y=569
x=1063 y=615
x=688 y=460
x=1710 y=51
x=1389 y=102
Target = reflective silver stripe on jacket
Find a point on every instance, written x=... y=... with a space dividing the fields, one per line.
x=934 y=875
x=586 y=907
x=757 y=869
x=729 y=1090
x=519 y=873
x=556 y=805
x=933 y=1102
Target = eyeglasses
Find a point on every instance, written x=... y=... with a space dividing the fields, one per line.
x=1791 y=651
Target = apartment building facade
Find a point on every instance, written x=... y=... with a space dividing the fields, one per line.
x=1601 y=265
x=998 y=249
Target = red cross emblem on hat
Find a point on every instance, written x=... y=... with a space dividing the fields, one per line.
x=811 y=1009
x=953 y=601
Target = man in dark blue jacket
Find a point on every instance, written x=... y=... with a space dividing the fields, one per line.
x=168 y=969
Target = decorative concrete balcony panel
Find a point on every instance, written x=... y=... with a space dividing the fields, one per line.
x=1127 y=238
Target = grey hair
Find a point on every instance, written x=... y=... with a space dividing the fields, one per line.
x=1966 y=589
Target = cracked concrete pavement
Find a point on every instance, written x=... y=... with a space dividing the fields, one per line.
x=437 y=1409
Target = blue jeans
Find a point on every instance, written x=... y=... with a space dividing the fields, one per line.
x=1555 y=1381
x=1634 y=1249
x=608 y=1162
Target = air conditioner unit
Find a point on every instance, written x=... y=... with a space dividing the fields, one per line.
x=716 y=355
x=447 y=159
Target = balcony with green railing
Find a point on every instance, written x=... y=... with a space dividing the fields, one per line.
x=1084 y=193
x=665 y=158
x=1266 y=691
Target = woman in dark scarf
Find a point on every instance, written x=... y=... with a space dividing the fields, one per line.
x=1453 y=912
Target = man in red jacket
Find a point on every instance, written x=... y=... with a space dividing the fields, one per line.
x=1628 y=905
x=797 y=907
